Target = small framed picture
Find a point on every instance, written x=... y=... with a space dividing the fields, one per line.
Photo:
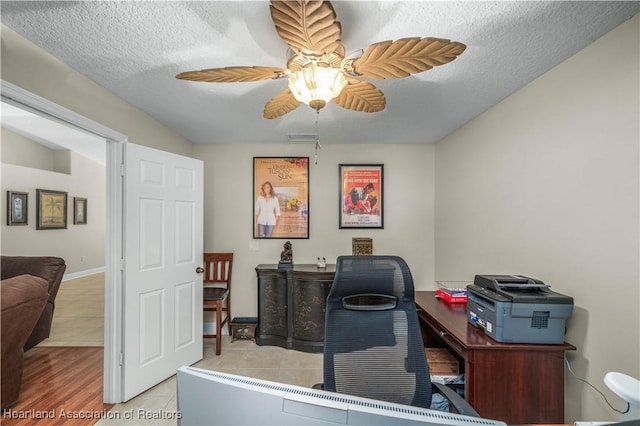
x=51 y=209
x=362 y=246
x=79 y=211
x=361 y=196
x=17 y=208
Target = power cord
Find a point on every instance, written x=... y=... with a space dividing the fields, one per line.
x=566 y=361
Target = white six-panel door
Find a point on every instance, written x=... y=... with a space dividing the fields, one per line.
x=163 y=247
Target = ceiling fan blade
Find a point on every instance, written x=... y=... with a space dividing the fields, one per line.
x=234 y=74
x=308 y=27
x=281 y=104
x=406 y=56
x=361 y=96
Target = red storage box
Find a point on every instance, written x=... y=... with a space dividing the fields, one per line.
x=452 y=291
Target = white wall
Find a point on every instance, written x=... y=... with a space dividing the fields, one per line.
x=16 y=149
x=546 y=184
x=82 y=246
x=408 y=209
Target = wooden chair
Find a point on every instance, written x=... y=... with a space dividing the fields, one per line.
x=217 y=292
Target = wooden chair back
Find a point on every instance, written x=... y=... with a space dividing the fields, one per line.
x=217 y=292
x=217 y=269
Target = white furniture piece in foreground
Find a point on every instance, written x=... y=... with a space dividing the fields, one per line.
x=627 y=388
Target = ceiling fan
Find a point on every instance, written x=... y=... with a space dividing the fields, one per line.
x=319 y=70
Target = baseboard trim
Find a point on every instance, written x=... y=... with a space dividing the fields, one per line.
x=81 y=274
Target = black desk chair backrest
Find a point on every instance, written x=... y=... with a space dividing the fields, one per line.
x=373 y=344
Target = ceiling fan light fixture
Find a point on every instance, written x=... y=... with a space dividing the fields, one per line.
x=318 y=70
x=316 y=85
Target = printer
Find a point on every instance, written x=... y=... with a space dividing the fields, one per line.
x=517 y=309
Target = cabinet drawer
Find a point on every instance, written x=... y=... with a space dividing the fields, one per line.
x=272 y=305
x=442 y=333
x=308 y=310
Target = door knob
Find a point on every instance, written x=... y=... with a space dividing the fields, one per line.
x=199 y=270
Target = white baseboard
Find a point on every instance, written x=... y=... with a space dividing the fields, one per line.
x=81 y=274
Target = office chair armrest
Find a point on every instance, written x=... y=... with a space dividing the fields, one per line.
x=458 y=403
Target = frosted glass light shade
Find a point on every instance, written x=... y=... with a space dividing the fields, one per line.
x=316 y=85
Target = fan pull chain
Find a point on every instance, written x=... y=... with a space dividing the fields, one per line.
x=317 y=137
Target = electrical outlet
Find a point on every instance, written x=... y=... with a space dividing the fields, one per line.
x=82 y=258
x=253 y=245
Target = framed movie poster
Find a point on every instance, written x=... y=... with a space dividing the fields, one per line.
x=281 y=197
x=79 y=211
x=17 y=208
x=361 y=196
x=51 y=209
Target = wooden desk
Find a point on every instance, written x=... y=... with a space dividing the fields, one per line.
x=513 y=382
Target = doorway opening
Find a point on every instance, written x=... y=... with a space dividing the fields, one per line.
x=112 y=149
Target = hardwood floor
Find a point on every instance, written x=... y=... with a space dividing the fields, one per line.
x=60 y=386
x=78 y=319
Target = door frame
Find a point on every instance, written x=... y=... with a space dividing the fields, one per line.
x=114 y=250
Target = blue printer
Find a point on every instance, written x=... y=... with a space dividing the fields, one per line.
x=517 y=309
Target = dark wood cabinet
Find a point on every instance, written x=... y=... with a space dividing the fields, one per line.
x=272 y=306
x=291 y=305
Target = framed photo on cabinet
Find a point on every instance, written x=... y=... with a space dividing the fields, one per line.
x=361 y=196
x=51 y=209
x=281 y=197
x=17 y=208
x=361 y=246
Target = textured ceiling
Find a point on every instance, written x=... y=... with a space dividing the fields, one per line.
x=135 y=49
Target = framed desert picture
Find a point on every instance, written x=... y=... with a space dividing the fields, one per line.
x=361 y=196
x=51 y=209
x=17 y=208
x=79 y=211
x=281 y=197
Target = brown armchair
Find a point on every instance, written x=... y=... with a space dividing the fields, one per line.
x=47 y=267
x=22 y=299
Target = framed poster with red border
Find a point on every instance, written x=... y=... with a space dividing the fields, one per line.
x=361 y=196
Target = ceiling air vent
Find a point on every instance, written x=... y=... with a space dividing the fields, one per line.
x=302 y=137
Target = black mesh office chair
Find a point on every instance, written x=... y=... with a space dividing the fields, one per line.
x=373 y=344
